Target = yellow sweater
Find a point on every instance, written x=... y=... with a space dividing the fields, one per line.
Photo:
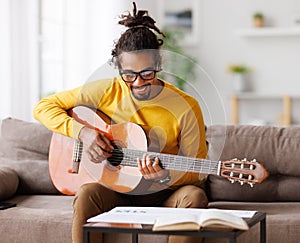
x=172 y=121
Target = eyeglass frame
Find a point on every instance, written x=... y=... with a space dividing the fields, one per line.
x=138 y=74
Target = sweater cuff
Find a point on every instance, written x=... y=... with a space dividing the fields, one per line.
x=76 y=129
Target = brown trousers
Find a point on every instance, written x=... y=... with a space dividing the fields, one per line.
x=93 y=199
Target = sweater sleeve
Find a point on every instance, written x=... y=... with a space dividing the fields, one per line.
x=52 y=111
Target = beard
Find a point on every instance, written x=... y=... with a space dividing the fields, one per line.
x=141 y=93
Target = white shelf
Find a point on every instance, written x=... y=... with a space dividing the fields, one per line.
x=254 y=95
x=283 y=119
x=269 y=32
x=262 y=96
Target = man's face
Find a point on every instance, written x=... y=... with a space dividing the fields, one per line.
x=139 y=72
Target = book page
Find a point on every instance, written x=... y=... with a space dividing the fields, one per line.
x=220 y=218
x=141 y=215
x=177 y=222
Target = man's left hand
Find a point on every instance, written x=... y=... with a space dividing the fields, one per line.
x=151 y=170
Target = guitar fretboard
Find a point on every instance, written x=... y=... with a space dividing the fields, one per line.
x=127 y=157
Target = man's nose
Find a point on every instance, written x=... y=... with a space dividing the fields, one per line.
x=139 y=80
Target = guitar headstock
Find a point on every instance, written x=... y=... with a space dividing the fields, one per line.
x=243 y=171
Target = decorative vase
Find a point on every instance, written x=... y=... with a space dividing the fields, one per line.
x=239 y=82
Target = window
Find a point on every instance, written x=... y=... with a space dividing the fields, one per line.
x=62 y=44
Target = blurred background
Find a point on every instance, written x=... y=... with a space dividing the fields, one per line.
x=241 y=58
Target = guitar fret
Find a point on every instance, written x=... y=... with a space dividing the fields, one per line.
x=194 y=164
x=201 y=165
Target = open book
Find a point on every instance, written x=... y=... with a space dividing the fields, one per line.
x=209 y=218
x=176 y=218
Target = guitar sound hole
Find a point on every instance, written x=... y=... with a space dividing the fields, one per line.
x=117 y=156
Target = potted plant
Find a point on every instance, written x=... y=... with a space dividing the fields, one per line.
x=258 y=20
x=239 y=76
x=237 y=68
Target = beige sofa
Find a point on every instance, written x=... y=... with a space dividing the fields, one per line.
x=44 y=215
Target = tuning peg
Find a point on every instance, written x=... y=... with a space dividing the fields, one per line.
x=249 y=177
x=242 y=183
x=254 y=160
x=245 y=159
x=251 y=184
x=231 y=180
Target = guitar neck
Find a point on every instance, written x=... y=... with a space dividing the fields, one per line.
x=174 y=162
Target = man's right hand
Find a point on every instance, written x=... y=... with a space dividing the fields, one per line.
x=97 y=146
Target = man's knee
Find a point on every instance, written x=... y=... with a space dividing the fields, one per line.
x=86 y=193
x=193 y=197
x=88 y=189
x=199 y=198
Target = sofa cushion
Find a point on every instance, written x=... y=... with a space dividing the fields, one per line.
x=277 y=148
x=33 y=176
x=38 y=218
x=9 y=182
x=24 y=140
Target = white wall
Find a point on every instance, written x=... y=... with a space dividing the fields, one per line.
x=275 y=61
x=102 y=30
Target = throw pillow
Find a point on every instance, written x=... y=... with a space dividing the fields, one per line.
x=9 y=182
x=33 y=176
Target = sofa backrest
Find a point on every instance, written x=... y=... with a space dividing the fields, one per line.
x=277 y=148
x=24 y=140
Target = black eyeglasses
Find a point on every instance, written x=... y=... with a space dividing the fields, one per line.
x=130 y=76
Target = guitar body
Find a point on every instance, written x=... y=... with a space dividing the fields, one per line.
x=119 y=178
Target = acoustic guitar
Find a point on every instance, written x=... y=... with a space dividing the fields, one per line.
x=70 y=167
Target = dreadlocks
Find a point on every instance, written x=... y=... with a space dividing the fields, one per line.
x=139 y=35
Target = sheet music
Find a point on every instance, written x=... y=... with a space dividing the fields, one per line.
x=147 y=215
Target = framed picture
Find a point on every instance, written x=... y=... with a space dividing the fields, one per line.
x=181 y=16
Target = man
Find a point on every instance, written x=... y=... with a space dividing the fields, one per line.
x=171 y=119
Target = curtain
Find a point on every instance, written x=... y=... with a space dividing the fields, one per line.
x=19 y=58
